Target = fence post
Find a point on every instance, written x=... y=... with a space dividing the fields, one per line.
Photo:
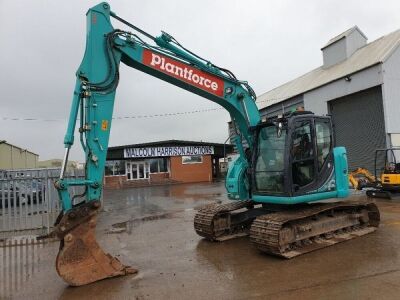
x=46 y=188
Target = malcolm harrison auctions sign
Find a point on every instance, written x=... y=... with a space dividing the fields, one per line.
x=168 y=151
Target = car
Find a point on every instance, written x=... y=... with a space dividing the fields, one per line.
x=23 y=191
x=30 y=191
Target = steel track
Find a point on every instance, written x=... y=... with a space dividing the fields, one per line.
x=290 y=233
x=212 y=221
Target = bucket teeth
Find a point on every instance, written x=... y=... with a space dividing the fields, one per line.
x=80 y=259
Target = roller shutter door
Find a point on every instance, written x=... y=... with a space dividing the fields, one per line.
x=359 y=126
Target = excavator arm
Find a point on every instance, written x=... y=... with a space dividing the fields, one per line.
x=81 y=260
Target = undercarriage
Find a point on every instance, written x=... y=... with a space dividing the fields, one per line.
x=288 y=231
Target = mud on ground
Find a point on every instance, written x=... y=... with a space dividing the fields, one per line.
x=152 y=230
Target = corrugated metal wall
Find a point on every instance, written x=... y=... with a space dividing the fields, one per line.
x=12 y=157
x=360 y=126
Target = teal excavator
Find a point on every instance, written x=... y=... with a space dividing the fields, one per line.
x=285 y=164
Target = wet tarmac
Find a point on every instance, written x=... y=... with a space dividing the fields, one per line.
x=152 y=230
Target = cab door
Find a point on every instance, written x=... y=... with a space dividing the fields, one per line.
x=311 y=156
x=302 y=155
x=324 y=150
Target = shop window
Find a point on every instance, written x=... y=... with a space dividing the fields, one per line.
x=158 y=165
x=114 y=167
x=193 y=159
x=154 y=165
x=163 y=163
x=108 y=169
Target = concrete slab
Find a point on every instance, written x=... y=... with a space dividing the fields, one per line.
x=152 y=229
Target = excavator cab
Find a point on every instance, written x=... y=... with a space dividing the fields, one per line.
x=294 y=156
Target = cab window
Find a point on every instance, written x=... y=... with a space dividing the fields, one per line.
x=302 y=151
x=324 y=141
x=270 y=164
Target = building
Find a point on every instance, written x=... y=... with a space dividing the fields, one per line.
x=13 y=157
x=359 y=85
x=57 y=163
x=163 y=162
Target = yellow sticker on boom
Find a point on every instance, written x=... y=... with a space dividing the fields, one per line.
x=104 y=125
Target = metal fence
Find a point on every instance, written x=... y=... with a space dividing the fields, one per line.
x=29 y=202
x=20 y=260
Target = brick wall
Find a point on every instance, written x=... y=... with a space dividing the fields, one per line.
x=114 y=182
x=117 y=182
x=191 y=172
x=199 y=172
x=158 y=177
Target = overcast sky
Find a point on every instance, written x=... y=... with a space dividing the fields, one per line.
x=266 y=43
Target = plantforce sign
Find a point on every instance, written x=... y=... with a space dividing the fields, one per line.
x=184 y=72
x=167 y=151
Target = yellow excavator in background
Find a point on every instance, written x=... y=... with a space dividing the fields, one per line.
x=387 y=178
x=361 y=178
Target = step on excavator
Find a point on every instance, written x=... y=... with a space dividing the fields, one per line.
x=285 y=163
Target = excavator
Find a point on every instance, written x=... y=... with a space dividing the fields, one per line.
x=288 y=185
x=361 y=178
x=386 y=182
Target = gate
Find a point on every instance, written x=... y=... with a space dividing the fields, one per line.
x=29 y=203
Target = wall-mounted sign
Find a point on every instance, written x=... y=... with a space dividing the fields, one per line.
x=167 y=151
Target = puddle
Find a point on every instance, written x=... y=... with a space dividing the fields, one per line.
x=20 y=258
x=127 y=226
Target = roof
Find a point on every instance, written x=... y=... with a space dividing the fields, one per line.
x=343 y=35
x=168 y=143
x=367 y=56
x=21 y=149
x=51 y=160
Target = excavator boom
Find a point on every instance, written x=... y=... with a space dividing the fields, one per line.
x=80 y=259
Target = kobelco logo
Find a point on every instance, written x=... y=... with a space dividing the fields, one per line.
x=193 y=76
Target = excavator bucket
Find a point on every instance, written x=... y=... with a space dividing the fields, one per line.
x=80 y=259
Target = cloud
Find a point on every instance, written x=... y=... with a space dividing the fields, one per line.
x=264 y=42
